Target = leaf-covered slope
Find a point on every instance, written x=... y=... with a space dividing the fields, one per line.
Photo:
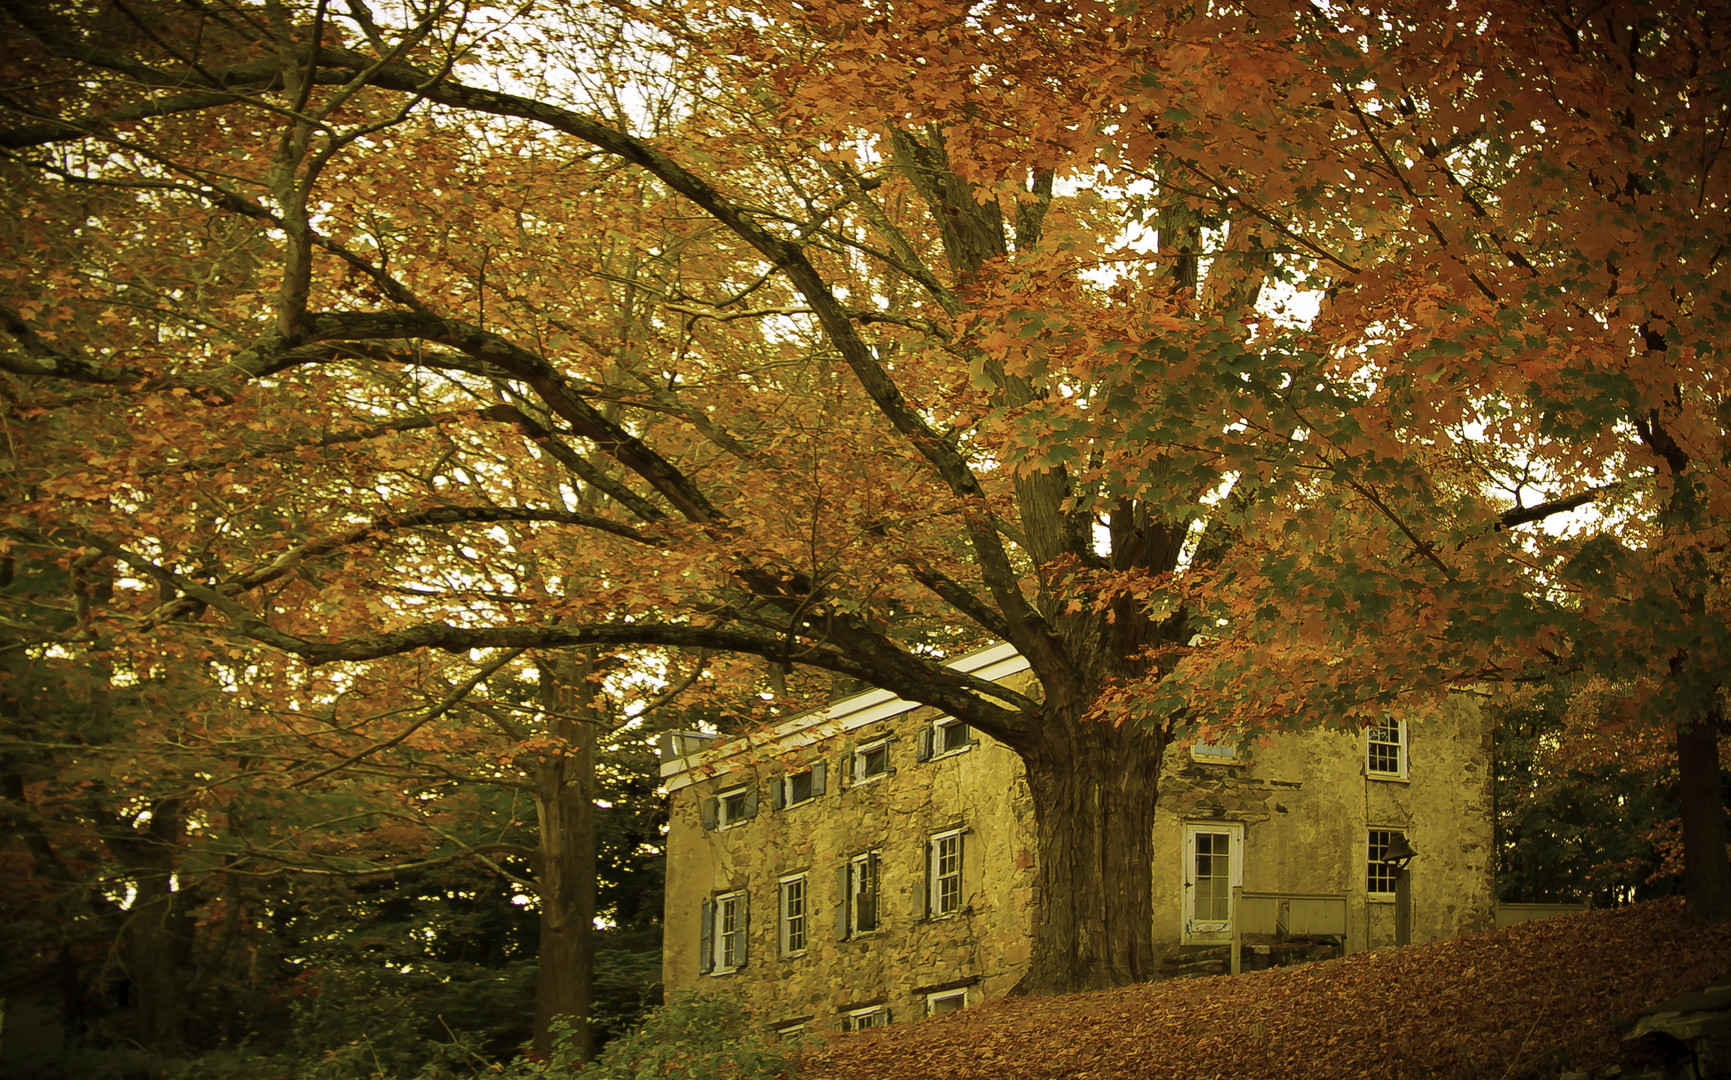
x=1528 y=1001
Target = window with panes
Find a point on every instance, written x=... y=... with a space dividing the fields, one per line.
x=794 y=915
x=729 y=932
x=862 y=893
x=945 y=853
x=1379 y=875
x=1385 y=748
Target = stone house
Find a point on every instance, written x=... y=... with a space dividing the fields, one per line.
x=871 y=861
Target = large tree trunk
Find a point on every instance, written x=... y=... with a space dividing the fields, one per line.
x=154 y=959
x=1706 y=868
x=1094 y=788
x=157 y=935
x=565 y=805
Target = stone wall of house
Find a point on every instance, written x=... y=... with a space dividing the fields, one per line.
x=1304 y=803
x=983 y=948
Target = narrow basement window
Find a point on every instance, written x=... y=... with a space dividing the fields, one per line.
x=945 y=1001
x=860 y=1019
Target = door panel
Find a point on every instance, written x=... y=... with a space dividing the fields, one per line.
x=1213 y=864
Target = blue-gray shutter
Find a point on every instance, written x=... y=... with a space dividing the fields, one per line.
x=708 y=811
x=923 y=744
x=817 y=775
x=962 y=871
x=777 y=793
x=931 y=873
x=706 y=940
x=843 y=879
x=751 y=802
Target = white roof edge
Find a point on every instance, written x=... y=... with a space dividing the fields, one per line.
x=856 y=711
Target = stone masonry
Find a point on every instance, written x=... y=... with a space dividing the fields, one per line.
x=871 y=862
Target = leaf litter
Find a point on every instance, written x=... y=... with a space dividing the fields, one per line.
x=1528 y=1001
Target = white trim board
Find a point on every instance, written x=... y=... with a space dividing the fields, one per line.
x=993 y=664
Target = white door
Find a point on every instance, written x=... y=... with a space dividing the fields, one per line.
x=1213 y=863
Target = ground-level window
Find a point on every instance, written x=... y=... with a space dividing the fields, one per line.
x=1385 y=749
x=724 y=929
x=859 y=913
x=859 y=1019
x=793 y=915
x=1379 y=875
x=944 y=1001
x=944 y=868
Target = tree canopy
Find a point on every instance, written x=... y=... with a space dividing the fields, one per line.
x=1235 y=363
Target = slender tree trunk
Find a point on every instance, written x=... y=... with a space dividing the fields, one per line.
x=1706 y=868
x=1094 y=788
x=565 y=805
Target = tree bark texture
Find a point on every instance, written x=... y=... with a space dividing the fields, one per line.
x=565 y=806
x=1706 y=868
x=157 y=934
x=1094 y=788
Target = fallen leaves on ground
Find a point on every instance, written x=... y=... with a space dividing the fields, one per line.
x=1528 y=1001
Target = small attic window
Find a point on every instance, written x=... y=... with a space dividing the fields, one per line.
x=944 y=737
x=798 y=788
x=871 y=761
x=729 y=808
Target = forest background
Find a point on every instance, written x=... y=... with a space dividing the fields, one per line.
x=411 y=409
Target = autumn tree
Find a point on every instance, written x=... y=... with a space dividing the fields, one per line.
x=834 y=317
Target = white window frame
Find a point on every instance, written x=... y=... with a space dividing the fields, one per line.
x=728 y=905
x=938 y=905
x=860 y=753
x=790 y=1027
x=860 y=1019
x=940 y=728
x=724 y=817
x=1375 y=869
x=937 y=996
x=1375 y=747
x=789 y=922
x=859 y=868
